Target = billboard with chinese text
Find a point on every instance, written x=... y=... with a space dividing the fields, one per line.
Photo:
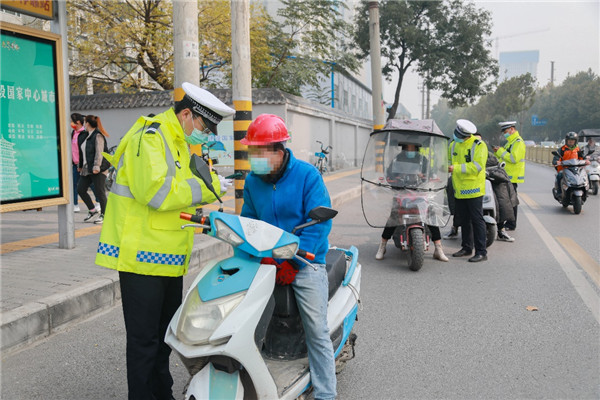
x=30 y=118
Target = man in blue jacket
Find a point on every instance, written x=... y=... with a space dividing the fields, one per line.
x=281 y=190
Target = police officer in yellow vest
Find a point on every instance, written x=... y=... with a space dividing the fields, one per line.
x=468 y=156
x=141 y=236
x=513 y=153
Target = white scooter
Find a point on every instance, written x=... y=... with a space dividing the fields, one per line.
x=239 y=335
x=593 y=172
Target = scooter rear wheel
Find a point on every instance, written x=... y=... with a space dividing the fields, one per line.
x=416 y=252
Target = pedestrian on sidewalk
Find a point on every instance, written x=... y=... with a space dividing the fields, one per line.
x=78 y=135
x=281 y=190
x=142 y=236
x=513 y=154
x=92 y=165
x=468 y=157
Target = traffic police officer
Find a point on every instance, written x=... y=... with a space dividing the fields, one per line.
x=468 y=156
x=513 y=154
x=141 y=237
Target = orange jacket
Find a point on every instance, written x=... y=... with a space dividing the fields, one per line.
x=566 y=153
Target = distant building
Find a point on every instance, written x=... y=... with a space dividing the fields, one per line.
x=516 y=63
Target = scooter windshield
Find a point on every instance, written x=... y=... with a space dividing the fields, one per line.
x=403 y=178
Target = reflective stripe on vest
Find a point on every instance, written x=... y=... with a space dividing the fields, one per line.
x=160 y=258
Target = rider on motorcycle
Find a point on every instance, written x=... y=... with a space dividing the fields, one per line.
x=570 y=151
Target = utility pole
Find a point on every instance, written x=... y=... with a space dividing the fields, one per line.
x=552 y=73
x=375 y=52
x=66 y=231
x=241 y=92
x=428 y=110
x=185 y=45
x=423 y=100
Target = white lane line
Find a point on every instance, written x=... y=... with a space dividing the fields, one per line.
x=578 y=280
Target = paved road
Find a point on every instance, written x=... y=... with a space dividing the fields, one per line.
x=453 y=330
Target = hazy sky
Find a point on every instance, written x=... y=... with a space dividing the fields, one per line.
x=566 y=32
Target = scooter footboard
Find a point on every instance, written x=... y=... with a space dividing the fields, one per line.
x=211 y=383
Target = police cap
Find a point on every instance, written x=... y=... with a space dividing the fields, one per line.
x=208 y=106
x=464 y=128
x=507 y=124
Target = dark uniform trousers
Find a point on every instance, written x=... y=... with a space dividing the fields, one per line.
x=470 y=212
x=149 y=303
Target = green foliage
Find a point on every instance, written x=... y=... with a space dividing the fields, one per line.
x=571 y=106
x=310 y=37
x=445 y=41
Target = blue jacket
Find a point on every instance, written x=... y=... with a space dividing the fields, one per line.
x=286 y=204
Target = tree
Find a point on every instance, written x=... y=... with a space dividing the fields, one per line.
x=309 y=40
x=445 y=41
x=113 y=40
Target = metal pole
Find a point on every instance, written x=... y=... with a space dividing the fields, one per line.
x=241 y=92
x=375 y=52
x=66 y=232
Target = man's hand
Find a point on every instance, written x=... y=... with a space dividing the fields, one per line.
x=225 y=183
x=286 y=273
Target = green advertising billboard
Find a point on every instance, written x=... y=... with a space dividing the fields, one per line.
x=30 y=126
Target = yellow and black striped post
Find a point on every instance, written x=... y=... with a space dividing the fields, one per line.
x=241 y=120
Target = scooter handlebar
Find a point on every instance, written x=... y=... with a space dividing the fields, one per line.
x=306 y=255
x=193 y=218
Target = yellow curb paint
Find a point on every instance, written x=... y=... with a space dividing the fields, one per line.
x=339 y=175
x=529 y=201
x=586 y=261
x=43 y=240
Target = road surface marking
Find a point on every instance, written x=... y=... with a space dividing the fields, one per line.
x=578 y=280
x=582 y=257
x=48 y=239
x=340 y=175
x=529 y=201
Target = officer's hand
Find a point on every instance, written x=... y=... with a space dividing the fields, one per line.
x=286 y=273
x=225 y=183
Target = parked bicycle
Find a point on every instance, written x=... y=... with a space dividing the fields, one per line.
x=322 y=161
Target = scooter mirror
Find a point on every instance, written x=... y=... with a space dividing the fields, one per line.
x=317 y=215
x=322 y=213
x=555 y=153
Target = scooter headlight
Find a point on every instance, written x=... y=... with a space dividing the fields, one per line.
x=286 y=252
x=198 y=320
x=227 y=234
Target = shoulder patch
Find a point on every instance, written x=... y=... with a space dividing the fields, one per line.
x=152 y=128
x=477 y=141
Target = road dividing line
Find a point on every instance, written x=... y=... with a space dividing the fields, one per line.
x=578 y=280
x=529 y=201
x=582 y=257
x=340 y=175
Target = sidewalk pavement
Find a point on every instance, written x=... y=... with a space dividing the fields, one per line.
x=44 y=289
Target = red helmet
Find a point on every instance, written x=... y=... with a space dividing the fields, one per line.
x=265 y=129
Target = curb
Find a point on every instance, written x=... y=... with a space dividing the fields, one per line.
x=34 y=321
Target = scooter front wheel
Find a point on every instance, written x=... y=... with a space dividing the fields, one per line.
x=491 y=231
x=416 y=251
x=594 y=185
x=577 y=204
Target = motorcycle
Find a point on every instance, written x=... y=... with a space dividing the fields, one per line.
x=593 y=172
x=414 y=187
x=239 y=335
x=573 y=185
x=490 y=213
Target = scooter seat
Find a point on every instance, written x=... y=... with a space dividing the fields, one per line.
x=336 y=269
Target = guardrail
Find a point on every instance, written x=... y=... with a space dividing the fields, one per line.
x=539 y=154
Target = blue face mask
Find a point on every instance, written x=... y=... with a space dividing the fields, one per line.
x=506 y=135
x=197 y=136
x=457 y=139
x=411 y=154
x=260 y=166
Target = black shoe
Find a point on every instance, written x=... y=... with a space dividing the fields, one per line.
x=462 y=253
x=477 y=258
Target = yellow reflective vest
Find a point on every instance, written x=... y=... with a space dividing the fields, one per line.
x=514 y=156
x=468 y=159
x=142 y=231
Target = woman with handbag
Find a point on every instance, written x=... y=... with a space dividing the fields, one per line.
x=92 y=166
